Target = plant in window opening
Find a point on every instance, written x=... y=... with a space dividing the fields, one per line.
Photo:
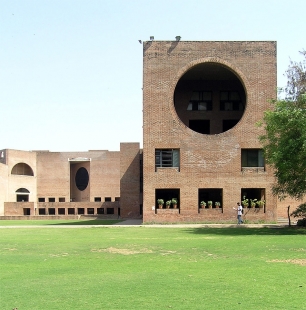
x=261 y=203
x=168 y=203
x=217 y=204
x=174 y=203
x=245 y=202
x=209 y=202
x=203 y=204
x=253 y=203
x=160 y=203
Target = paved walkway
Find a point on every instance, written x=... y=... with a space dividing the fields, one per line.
x=139 y=223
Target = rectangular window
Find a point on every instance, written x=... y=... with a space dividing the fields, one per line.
x=108 y=199
x=100 y=210
x=110 y=211
x=200 y=101
x=167 y=158
x=41 y=199
x=252 y=158
x=61 y=199
x=51 y=199
x=97 y=199
x=230 y=101
x=117 y=198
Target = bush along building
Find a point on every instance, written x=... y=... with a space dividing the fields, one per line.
x=200 y=156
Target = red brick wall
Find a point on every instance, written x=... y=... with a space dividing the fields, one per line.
x=130 y=180
x=206 y=161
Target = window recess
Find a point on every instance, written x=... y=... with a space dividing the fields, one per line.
x=167 y=158
x=200 y=101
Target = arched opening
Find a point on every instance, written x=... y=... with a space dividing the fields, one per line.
x=210 y=98
x=22 y=169
x=22 y=195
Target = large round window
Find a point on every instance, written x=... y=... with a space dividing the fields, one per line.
x=209 y=98
x=81 y=179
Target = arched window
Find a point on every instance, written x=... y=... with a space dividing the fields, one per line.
x=22 y=169
x=22 y=195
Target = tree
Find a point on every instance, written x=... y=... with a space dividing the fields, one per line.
x=284 y=140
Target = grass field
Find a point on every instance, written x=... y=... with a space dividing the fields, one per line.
x=152 y=268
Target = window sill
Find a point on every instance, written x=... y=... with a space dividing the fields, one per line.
x=168 y=168
x=253 y=169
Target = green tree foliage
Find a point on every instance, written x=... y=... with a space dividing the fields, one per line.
x=300 y=211
x=284 y=140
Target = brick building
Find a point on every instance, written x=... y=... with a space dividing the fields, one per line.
x=94 y=183
x=201 y=102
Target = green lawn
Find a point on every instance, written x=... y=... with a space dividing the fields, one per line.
x=56 y=222
x=152 y=268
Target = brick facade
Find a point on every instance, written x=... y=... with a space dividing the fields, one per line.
x=209 y=163
x=201 y=102
x=45 y=183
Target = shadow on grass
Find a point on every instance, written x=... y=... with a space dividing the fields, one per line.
x=88 y=222
x=242 y=231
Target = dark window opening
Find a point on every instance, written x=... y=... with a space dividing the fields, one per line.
x=257 y=194
x=110 y=211
x=61 y=199
x=108 y=199
x=252 y=158
x=200 y=101
x=42 y=211
x=51 y=211
x=117 y=198
x=81 y=179
x=22 y=198
x=100 y=210
x=212 y=195
x=81 y=211
x=167 y=158
x=61 y=211
x=97 y=199
x=90 y=211
x=26 y=211
x=71 y=211
x=167 y=195
x=200 y=126
x=41 y=199
x=51 y=199
x=229 y=124
x=230 y=101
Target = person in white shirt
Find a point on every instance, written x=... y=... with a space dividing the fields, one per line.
x=239 y=213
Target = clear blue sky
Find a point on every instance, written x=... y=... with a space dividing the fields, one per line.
x=71 y=70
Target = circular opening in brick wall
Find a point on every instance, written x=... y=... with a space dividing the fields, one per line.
x=81 y=178
x=209 y=98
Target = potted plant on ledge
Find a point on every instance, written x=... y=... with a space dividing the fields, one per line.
x=203 y=204
x=253 y=203
x=209 y=204
x=174 y=203
x=160 y=203
x=261 y=203
x=217 y=204
x=245 y=202
x=168 y=203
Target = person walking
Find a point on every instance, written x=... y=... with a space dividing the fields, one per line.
x=239 y=213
